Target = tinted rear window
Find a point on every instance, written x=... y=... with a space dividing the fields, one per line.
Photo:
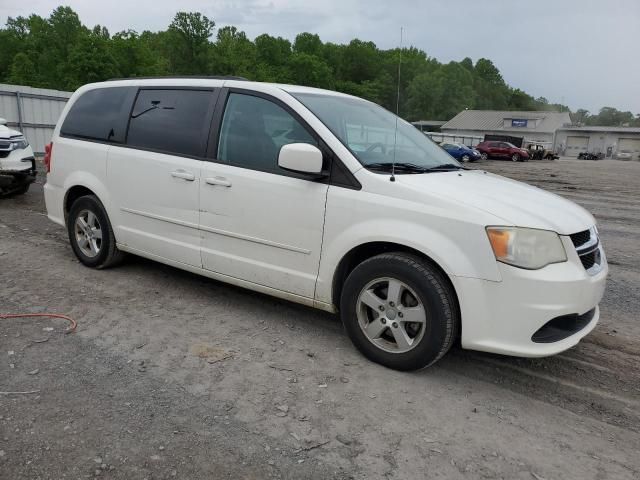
x=100 y=114
x=172 y=121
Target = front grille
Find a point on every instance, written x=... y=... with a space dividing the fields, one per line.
x=580 y=238
x=587 y=246
x=590 y=259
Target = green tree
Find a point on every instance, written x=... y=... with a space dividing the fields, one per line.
x=233 y=54
x=311 y=71
x=519 y=100
x=60 y=52
x=22 y=71
x=90 y=60
x=187 y=42
x=308 y=43
x=135 y=56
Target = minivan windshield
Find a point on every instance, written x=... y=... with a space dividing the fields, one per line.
x=369 y=131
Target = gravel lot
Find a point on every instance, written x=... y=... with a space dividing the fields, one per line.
x=171 y=375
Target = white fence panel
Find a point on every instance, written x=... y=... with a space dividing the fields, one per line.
x=33 y=111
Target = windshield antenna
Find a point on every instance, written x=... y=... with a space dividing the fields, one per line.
x=395 y=134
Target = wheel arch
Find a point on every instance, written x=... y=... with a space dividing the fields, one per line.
x=82 y=183
x=71 y=195
x=364 y=251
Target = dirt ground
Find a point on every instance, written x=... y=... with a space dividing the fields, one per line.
x=171 y=375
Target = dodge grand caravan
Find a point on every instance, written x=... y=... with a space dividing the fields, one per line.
x=327 y=200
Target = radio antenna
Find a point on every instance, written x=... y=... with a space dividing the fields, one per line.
x=395 y=134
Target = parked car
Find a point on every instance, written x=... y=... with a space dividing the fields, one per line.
x=538 y=151
x=624 y=155
x=17 y=163
x=461 y=152
x=590 y=156
x=350 y=210
x=491 y=149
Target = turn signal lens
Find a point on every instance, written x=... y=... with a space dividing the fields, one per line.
x=499 y=242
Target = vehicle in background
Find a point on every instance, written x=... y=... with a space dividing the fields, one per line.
x=590 y=156
x=506 y=150
x=461 y=152
x=17 y=163
x=537 y=151
x=623 y=155
x=327 y=200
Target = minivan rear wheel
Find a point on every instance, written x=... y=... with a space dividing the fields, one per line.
x=399 y=311
x=91 y=235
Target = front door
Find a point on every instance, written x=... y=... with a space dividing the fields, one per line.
x=154 y=179
x=260 y=223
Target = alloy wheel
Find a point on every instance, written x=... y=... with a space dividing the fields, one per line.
x=88 y=232
x=391 y=315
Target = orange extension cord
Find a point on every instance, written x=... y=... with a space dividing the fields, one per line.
x=71 y=329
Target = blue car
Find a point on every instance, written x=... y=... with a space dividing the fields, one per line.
x=461 y=152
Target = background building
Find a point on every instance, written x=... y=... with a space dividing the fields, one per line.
x=570 y=141
x=538 y=127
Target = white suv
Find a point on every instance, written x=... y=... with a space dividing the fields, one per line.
x=17 y=163
x=330 y=201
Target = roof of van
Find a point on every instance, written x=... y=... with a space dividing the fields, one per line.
x=212 y=81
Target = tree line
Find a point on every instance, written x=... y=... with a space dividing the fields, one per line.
x=60 y=52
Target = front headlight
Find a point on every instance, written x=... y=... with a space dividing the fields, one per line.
x=526 y=247
x=19 y=143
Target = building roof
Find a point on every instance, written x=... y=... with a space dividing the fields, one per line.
x=494 y=120
x=602 y=129
x=429 y=123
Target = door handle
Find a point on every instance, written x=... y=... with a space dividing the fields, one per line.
x=223 y=182
x=188 y=176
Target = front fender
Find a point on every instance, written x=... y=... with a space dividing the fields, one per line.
x=460 y=252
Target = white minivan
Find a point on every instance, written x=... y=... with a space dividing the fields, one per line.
x=326 y=200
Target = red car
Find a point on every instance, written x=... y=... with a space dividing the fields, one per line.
x=494 y=149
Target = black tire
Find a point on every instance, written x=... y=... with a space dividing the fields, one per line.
x=484 y=156
x=108 y=254
x=515 y=157
x=434 y=292
x=465 y=158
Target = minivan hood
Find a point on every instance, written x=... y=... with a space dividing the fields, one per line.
x=515 y=202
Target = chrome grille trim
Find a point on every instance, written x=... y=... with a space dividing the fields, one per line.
x=589 y=251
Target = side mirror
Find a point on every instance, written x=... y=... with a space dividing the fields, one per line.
x=301 y=158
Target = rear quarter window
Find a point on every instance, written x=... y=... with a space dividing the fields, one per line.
x=171 y=121
x=100 y=114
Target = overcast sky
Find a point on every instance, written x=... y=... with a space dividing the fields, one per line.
x=583 y=53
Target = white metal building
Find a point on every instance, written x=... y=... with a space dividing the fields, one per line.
x=33 y=111
x=571 y=141
x=534 y=127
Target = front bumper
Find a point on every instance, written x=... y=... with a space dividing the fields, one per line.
x=13 y=180
x=503 y=317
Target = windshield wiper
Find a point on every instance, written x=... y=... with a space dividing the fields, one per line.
x=400 y=166
x=446 y=167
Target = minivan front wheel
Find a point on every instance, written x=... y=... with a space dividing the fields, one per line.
x=91 y=235
x=399 y=311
